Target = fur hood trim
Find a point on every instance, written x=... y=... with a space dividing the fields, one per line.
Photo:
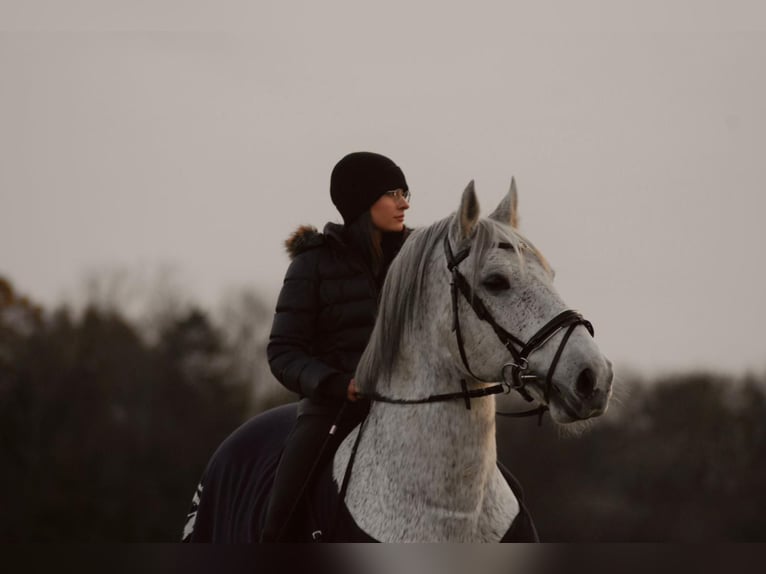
x=302 y=239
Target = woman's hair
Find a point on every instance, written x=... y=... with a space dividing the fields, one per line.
x=377 y=249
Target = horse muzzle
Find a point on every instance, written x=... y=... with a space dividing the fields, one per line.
x=586 y=398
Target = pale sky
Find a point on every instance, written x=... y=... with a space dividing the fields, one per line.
x=199 y=135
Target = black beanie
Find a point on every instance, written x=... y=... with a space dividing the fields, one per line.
x=359 y=179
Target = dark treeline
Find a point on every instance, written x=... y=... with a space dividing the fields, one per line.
x=683 y=459
x=105 y=429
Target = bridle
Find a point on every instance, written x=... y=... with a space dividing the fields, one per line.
x=519 y=350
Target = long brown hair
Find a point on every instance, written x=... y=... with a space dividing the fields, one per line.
x=377 y=248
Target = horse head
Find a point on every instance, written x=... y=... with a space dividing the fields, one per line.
x=473 y=300
x=513 y=325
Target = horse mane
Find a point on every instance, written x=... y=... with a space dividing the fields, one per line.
x=402 y=306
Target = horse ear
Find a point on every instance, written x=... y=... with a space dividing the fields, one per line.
x=467 y=214
x=508 y=210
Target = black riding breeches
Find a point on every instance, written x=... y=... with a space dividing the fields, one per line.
x=308 y=447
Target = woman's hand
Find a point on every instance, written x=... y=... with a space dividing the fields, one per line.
x=352 y=394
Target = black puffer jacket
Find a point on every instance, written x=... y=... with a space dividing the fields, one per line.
x=325 y=314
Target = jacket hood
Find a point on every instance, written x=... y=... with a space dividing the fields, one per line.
x=302 y=239
x=308 y=237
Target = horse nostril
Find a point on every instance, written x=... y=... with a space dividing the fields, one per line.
x=586 y=383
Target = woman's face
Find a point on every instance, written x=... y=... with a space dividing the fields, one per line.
x=388 y=212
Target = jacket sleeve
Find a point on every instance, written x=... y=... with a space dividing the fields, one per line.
x=294 y=330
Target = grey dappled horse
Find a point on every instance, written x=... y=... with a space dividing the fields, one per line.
x=468 y=309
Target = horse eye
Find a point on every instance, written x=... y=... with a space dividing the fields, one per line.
x=496 y=283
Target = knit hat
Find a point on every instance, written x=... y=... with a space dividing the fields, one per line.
x=359 y=179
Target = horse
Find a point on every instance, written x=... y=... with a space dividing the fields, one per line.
x=468 y=310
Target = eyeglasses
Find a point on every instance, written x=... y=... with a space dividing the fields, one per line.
x=399 y=194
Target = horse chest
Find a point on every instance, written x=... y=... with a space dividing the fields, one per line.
x=495 y=522
x=397 y=503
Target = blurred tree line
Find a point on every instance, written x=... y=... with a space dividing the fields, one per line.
x=106 y=423
x=679 y=459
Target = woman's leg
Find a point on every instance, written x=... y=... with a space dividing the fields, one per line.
x=302 y=449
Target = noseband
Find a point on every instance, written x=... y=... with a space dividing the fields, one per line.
x=519 y=350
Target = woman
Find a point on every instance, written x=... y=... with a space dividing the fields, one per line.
x=325 y=315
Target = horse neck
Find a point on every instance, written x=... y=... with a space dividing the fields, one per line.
x=445 y=436
x=424 y=470
x=443 y=448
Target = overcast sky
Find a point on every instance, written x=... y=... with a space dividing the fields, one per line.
x=138 y=134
